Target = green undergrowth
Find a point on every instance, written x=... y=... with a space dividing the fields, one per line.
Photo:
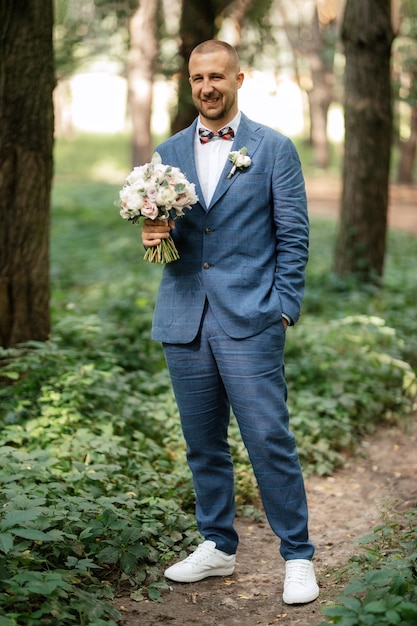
x=382 y=578
x=95 y=493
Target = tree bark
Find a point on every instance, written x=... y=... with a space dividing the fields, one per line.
x=142 y=57
x=367 y=35
x=320 y=97
x=197 y=25
x=26 y=164
x=408 y=152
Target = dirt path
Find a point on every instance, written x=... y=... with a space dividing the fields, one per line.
x=343 y=507
x=324 y=199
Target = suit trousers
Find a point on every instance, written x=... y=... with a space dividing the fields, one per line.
x=211 y=375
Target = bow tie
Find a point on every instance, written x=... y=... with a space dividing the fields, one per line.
x=224 y=133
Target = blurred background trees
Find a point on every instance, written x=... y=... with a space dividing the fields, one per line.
x=356 y=58
x=296 y=38
x=404 y=77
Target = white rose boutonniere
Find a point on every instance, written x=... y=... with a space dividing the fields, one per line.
x=239 y=159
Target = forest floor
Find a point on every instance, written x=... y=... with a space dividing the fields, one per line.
x=342 y=507
x=324 y=200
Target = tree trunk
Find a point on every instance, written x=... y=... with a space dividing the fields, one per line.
x=319 y=48
x=408 y=153
x=320 y=97
x=197 y=25
x=200 y=21
x=142 y=57
x=26 y=146
x=367 y=35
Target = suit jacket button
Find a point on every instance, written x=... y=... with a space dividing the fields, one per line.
x=206 y=265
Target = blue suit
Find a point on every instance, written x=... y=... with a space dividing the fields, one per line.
x=219 y=316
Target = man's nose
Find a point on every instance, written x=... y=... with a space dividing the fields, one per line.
x=207 y=85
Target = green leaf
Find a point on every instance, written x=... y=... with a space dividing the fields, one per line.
x=86 y=533
x=336 y=611
x=5 y=621
x=18 y=517
x=33 y=534
x=409 y=610
x=11 y=375
x=352 y=604
x=41 y=583
x=82 y=565
x=128 y=563
x=140 y=551
x=108 y=555
x=393 y=617
x=6 y=543
x=376 y=606
x=131 y=535
x=136 y=595
x=109 y=517
x=379 y=578
x=154 y=594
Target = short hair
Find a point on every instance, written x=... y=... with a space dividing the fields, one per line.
x=214 y=45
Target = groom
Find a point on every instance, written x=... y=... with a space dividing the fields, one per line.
x=222 y=312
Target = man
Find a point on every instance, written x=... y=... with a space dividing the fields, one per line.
x=222 y=312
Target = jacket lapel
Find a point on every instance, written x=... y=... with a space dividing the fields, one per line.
x=245 y=136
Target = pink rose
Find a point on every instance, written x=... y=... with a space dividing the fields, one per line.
x=149 y=209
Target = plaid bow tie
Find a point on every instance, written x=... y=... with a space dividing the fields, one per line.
x=224 y=133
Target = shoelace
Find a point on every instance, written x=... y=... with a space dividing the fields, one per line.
x=297 y=572
x=201 y=553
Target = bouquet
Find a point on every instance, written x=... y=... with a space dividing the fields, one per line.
x=157 y=191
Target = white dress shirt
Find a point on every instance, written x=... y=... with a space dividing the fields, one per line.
x=211 y=157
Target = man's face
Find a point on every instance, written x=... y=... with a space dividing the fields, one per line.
x=214 y=85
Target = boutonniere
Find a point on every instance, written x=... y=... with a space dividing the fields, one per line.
x=239 y=159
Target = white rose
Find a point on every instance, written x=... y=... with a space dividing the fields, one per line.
x=136 y=175
x=131 y=200
x=165 y=196
x=242 y=160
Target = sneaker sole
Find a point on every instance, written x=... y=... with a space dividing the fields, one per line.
x=198 y=577
x=301 y=599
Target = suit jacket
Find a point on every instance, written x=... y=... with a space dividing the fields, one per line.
x=246 y=252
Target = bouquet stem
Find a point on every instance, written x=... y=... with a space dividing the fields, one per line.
x=164 y=252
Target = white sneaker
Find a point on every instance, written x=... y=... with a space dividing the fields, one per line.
x=300 y=584
x=205 y=561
